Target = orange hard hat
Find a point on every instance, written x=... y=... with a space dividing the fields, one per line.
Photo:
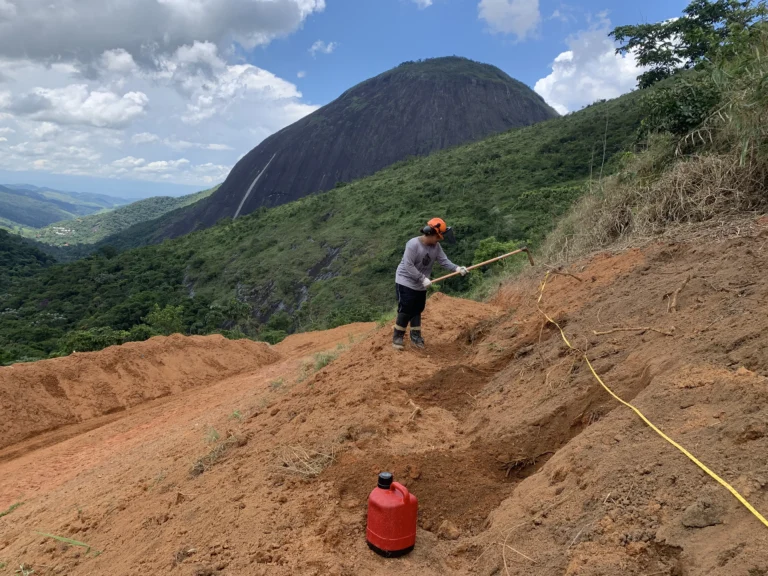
x=439 y=226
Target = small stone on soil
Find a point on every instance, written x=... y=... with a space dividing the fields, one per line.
x=701 y=514
x=448 y=531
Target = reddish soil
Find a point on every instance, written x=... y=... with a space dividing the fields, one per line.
x=499 y=429
x=43 y=396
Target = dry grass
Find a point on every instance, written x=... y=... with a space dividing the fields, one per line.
x=302 y=462
x=705 y=188
x=204 y=463
x=717 y=173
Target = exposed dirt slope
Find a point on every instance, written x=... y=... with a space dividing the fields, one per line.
x=522 y=463
x=43 y=396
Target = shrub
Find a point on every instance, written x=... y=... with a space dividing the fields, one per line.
x=272 y=336
x=322 y=359
x=92 y=340
x=140 y=333
x=166 y=320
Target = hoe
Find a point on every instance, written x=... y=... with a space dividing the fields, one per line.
x=491 y=261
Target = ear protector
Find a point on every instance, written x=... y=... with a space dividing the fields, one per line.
x=437 y=227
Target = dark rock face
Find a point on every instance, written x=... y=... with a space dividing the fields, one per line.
x=412 y=110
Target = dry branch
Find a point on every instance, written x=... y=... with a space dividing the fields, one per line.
x=504 y=547
x=560 y=272
x=672 y=305
x=639 y=329
x=416 y=410
x=520 y=553
x=303 y=462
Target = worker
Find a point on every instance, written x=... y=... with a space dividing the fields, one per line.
x=412 y=278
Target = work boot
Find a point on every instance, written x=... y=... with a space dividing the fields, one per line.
x=417 y=340
x=397 y=339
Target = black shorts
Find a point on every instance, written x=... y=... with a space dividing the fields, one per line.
x=409 y=301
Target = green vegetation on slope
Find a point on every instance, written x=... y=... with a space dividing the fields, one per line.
x=94 y=228
x=18 y=259
x=30 y=207
x=708 y=142
x=327 y=259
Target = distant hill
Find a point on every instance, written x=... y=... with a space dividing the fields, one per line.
x=102 y=200
x=92 y=229
x=24 y=205
x=412 y=110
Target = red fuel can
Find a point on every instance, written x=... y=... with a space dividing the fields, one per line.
x=392 y=512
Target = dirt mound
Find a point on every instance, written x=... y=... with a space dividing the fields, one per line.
x=522 y=463
x=307 y=343
x=42 y=396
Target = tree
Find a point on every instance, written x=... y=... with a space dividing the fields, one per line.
x=486 y=250
x=691 y=40
x=92 y=340
x=166 y=320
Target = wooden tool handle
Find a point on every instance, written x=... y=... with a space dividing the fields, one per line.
x=491 y=261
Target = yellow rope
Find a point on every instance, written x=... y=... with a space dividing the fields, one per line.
x=695 y=460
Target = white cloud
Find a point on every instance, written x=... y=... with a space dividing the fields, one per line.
x=77 y=104
x=322 y=48
x=7 y=10
x=122 y=87
x=213 y=92
x=566 y=13
x=186 y=145
x=301 y=74
x=44 y=130
x=590 y=70
x=129 y=162
x=210 y=173
x=144 y=138
x=79 y=29
x=118 y=61
x=423 y=3
x=179 y=144
x=163 y=165
x=3 y=139
x=53 y=152
x=518 y=17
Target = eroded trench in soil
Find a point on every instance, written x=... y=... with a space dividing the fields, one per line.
x=469 y=479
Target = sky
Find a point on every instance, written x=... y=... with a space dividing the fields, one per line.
x=154 y=97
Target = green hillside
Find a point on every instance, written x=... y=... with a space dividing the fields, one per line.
x=19 y=259
x=23 y=207
x=94 y=228
x=19 y=208
x=326 y=259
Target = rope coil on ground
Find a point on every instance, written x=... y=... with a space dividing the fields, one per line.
x=653 y=427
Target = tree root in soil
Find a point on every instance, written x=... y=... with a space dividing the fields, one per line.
x=521 y=463
x=639 y=329
x=672 y=296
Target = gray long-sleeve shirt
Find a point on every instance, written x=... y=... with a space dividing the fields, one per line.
x=417 y=263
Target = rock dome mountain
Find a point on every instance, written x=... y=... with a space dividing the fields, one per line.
x=411 y=110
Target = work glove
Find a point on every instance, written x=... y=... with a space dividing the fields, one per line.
x=462 y=270
x=426 y=282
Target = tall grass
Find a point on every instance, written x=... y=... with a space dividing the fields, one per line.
x=717 y=170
